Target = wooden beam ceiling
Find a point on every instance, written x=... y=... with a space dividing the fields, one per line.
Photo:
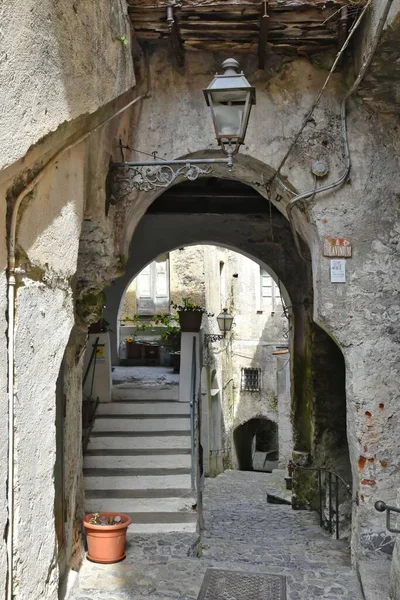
x=292 y=26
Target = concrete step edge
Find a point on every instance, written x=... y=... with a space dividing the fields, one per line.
x=145 y=493
x=139 y=433
x=115 y=472
x=139 y=452
x=159 y=517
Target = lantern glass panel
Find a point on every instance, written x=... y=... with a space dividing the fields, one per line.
x=224 y=321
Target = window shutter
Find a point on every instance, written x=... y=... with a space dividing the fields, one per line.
x=144 y=293
x=161 y=287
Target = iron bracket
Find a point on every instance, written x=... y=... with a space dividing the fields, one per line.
x=209 y=338
x=150 y=175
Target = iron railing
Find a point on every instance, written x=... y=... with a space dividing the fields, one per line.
x=193 y=393
x=382 y=507
x=89 y=406
x=328 y=480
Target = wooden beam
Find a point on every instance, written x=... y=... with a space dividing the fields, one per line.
x=263 y=35
x=229 y=5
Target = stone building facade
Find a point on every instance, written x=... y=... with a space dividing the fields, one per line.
x=218 y=278
x=69 y=95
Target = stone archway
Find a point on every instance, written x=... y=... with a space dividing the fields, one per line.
x=261 y=232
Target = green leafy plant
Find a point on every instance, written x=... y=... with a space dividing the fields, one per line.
x=124 y=40
x=171 y=333
x=171 y=330
x=188 y=304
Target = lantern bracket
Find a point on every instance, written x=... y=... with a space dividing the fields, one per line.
x=209 y=338
x=147 y=176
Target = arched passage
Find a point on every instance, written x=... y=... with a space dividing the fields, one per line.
x=257 y=434
x=234 y=215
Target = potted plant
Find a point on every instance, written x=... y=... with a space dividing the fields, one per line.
x=170 y=337
x=106 y=536
x=190 y=314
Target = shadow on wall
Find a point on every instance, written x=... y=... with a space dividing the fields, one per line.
x=256 y=435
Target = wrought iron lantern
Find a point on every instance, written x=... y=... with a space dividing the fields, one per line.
x=230 y=97
x=225 y=322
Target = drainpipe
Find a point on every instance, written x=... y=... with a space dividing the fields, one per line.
x=351 y=91
x=11 y=318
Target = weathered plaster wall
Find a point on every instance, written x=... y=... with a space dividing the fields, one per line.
x=48 y=239
x=3 y=401
x=233 y=281
x=187 y=274
x=58 y=61
x=361 y=314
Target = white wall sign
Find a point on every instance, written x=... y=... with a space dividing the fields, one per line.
x=338 y=270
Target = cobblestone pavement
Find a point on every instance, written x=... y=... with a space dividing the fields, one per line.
x=242 y=532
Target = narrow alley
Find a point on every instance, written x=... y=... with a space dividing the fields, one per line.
x=242 y=533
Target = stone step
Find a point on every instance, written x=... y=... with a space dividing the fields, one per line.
x=133 y=434
x=141 y=505
x=126 y=391
x=135 y=493
x=141 y=482
x=142 y=528
x=163 y=461
x=142 y=425
x=143 y=452
x=141 y=417
x=135 y=472
x=152 y=443
x=136 y=407
x=157 y=518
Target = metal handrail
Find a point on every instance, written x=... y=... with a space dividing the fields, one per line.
x=193 y=413
x=92 y=356
x=337 y=479
x=381 y=506
x=88 y=424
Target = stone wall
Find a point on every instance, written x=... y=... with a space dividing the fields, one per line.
x=59 y=61
x=53 y=65
x=360 y=315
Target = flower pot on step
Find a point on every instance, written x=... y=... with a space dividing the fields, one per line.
x=190 y=320
x=106 y=543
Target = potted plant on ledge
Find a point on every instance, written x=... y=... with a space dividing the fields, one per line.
x=190 y=315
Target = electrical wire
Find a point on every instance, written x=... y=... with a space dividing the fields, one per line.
x=343 y=112
x=318 y=98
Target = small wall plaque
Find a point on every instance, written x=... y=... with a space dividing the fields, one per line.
x=337 y=247
x=338 y=270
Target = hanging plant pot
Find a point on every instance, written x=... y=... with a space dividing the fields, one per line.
x=190 y=320
x=106 y=543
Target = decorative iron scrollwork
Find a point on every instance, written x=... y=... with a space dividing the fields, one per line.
x=145 y=178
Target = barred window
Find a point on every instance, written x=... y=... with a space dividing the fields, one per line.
x=250 y=380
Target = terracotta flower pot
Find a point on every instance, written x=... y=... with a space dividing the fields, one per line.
x=106 y=543
x=190 y=320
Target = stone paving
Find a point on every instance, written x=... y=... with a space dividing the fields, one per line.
x=242 y=532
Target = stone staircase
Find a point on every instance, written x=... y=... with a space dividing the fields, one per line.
x=138 y=461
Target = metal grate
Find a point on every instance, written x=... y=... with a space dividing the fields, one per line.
x=250 y=380
x=220 y=584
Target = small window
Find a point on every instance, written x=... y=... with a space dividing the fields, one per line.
x=250 y=380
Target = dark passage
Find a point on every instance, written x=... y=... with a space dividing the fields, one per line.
x=256 y=435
